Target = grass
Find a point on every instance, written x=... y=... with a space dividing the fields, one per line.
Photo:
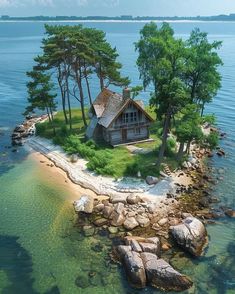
x=102 y=158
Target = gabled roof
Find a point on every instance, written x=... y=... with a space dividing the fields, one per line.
x=109 y=105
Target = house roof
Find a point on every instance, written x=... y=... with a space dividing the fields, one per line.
x=109 y=105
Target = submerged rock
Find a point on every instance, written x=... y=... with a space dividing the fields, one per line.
x=84 y=204
x=88 y=231
x=82 y=281
x=191 y=235
x=161 y=275
x=135 y=269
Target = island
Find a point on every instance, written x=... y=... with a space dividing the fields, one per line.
x=145 y=164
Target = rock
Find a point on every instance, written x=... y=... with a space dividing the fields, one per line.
x=186 y=214
x=107 y=211
x=88 y=231
x=135 y=246
x=230 y=213
x=150 y=248
x=99 y=207
x=152 y=180
x=122 y=250
x=133 y=199
x=162 y=174
x=144 y=222
x=101 y=222
x=191 y=235
x=119 y=207
x=135 y=269
x=130 y=223
x=84 y=204
x=113 y=230
x=117 y=219
x=161 y=275
x=154 y=240
x=82 y=281
x=74 y=158
x=166 y=246
x=163 y=221
x=118 y=198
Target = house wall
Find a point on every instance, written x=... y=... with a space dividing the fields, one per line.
x=132 y=135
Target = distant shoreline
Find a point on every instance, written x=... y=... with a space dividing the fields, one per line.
x=117 y=21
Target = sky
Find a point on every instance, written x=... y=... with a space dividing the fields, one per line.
x=116 y=7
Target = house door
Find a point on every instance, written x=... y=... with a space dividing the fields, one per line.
x=124 y=135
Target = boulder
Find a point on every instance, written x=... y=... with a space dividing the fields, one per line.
x=152 y=180
x=230 y=212
x=122 y=250
x=150 y=248
x=130 y=223
x=144 y=222
x=101 y=222
x=163 y=221
x=99 y=207
x=74 y=158
x=84 y=204
x=191 y=234
x=133 y=199
x=118 y=198
x=161 y=275
x=117 y=219
x=135 y=246
x=107 y=211
x=119 y=207
x=135 y=269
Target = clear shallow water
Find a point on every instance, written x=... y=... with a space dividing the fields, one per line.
x=39 y=246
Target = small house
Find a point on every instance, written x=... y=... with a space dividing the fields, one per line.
x=118 y=119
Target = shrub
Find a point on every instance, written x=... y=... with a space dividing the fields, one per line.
x=212 y=140
x=41 y=128
x=64 y=130
x=100 y=163
x=132 y=169
x=74 y=145
x=170 y=147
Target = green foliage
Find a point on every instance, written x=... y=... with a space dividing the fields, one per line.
x=209 y=118
x=212 y=140
x=100 y=163
x=40 y=127
x=73 y=145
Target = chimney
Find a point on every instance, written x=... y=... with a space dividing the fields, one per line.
x=126 y=93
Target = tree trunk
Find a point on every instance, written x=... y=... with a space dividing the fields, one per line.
x=52 y=121
x=82 y=98
x=164 y=138
x=202 y=110
x=88 y=86
x=68 y=99
x=62 y=91
x=188 y=147
x=180 y=151
x=101 y=78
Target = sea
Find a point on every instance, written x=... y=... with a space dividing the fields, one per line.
x=41 y=248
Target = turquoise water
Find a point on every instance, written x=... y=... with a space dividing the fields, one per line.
x=41 y=249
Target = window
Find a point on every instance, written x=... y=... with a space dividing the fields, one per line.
x=133 y=117
x=125 y=118
x=137 y=131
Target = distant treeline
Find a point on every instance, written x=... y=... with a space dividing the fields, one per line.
x=222 y=17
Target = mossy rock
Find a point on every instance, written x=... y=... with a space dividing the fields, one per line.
x=82 y=281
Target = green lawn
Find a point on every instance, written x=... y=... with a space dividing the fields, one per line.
x=104 y=159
